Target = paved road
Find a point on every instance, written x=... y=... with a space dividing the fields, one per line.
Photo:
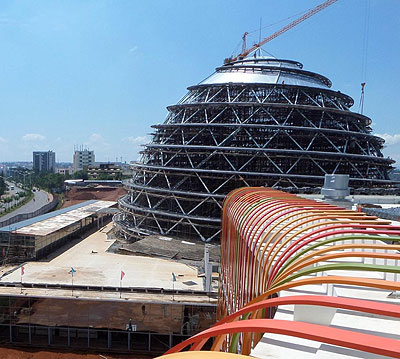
x=41 y=198
x=15 y=190
x=11 y=192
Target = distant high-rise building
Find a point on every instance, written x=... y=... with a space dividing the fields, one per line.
x=83 y=159
x=44 y=161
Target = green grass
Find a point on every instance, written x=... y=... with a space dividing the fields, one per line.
x=60 y=200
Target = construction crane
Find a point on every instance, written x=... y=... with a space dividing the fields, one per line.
x=244 y=41
x=362 y=97
x=308 y=14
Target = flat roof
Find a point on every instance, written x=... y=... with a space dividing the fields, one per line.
x=51 y=222
x=95 y=265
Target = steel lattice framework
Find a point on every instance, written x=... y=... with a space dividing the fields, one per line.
x=254 y=122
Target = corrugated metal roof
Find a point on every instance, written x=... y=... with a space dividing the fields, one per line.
x=276 y=77
x=267 y=71
x=52 y=221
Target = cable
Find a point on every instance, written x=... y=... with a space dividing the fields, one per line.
x=365 y=40
x=259 y=30
x=364 y=55
x=278 y=22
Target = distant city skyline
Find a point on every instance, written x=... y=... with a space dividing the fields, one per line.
x=100 y=73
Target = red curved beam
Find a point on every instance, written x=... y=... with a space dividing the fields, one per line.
x=365 y=306
x=360 y=305
x=329 y=335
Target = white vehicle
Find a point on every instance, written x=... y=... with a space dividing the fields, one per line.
x=12 y=188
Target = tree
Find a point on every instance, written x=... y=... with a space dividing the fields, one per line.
x=104 y=177
x=80 y=175
x=2 y=185
x=52 y=182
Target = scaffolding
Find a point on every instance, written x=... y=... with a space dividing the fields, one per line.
x=255 y=122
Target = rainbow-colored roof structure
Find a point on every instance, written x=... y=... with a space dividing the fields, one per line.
x=321 y=261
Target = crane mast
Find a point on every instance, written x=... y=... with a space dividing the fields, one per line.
x=307 y=15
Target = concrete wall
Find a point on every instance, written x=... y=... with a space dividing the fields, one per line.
x=100 y=324
x=21 y=217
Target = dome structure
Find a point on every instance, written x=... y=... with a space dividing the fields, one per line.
x=258 y=121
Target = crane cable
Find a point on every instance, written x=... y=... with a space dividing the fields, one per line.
x=259 y=30
x=278 y=22
x=364 y=54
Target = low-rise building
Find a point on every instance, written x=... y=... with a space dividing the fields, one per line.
x=105 y=171
x=36 y=237
x=65 y=171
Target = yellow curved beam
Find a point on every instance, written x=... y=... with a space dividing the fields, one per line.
x=202 y=355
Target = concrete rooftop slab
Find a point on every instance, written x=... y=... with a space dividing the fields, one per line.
x=55 y=223
x=95 y=266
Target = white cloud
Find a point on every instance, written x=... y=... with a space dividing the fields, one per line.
x=390 y=139
x=3 y=140
x=30 y=137
x=139 y=140
x=133 y=49
x=98 y=143
x=96 y=137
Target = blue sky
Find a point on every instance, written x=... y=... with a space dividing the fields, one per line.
x=99 y=73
